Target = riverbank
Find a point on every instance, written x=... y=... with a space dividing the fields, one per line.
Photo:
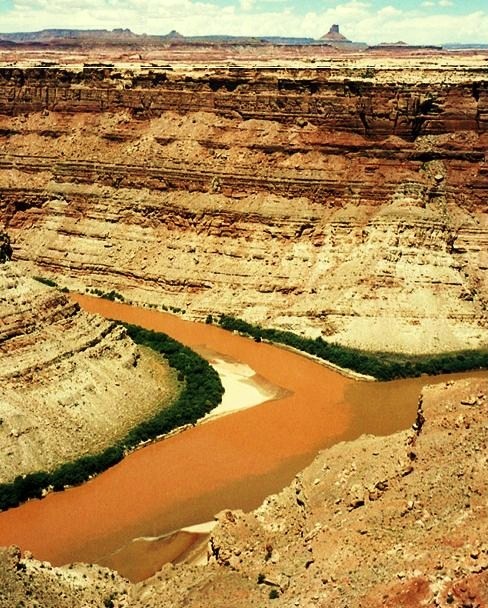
x=368 y=364
x=143 y=556
x=243 y=388
x=233 y=461
x=201 y=390
x=360 y=364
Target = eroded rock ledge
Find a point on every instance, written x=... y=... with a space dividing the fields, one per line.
x=396 y=521
x=72 y=383
x=347 y=201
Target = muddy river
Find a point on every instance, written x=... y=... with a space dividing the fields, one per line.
x=233 y=461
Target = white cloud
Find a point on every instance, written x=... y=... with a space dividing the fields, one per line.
x=420 y=26
x=389 y=11
x=440 y=3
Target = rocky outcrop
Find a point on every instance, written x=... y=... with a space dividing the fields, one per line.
x=395 y=521
x=5 y=248
x=400 y=521
x=25 y=582
x=72 y=383
x=431 y=100
x=346 y=201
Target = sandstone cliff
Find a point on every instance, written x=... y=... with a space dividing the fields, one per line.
x=72 y=383
x=347 y=201
x=398 y=522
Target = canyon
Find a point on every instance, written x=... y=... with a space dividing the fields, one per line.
x=346 y=200
x=335 y=196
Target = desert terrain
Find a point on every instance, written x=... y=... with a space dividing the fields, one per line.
x=72 y=383
x=329 y=194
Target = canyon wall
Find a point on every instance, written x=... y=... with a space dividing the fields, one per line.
x=72 y=383
x=348 y=201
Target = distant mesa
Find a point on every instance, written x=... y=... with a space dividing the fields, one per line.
x=174 y=38
x=334 y=36
x=54 y=35
x=174 y=35
x=71 y=38
x=123 y=31
x=335 y=39
x=399 y=43
x=402 y=46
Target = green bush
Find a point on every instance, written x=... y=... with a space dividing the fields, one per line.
x=46 y=281
x=107 y=295
x=382 y=366
x=112 y=296
x=201 y=392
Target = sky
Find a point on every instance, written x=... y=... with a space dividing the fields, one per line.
x=372 y=21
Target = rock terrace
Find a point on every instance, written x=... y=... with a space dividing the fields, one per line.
x=346 y=201
x=72 y=383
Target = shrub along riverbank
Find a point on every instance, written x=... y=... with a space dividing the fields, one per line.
x=380 y=365
x=201 y=392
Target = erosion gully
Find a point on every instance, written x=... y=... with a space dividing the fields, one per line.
x=128 y=517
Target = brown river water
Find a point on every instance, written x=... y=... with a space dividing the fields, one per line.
x=234 y=461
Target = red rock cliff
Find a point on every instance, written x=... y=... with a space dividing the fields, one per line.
x=348 y=201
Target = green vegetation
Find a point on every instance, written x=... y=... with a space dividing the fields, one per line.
x=274 y=594
x=50 y=283
x=108 y=602
x=175 y=309
x=369 y=72
x=5 y=248
x=107 y=295
x=201 y=392
x=202 y=387
x=46 y=281
x=380 y=365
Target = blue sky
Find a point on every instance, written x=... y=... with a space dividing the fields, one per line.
x=373 y=21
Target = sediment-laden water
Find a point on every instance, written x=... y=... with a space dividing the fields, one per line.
x=232 y=461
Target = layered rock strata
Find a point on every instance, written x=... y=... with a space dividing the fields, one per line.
x=347 y=201
x=72 y=383
x=395 y=521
